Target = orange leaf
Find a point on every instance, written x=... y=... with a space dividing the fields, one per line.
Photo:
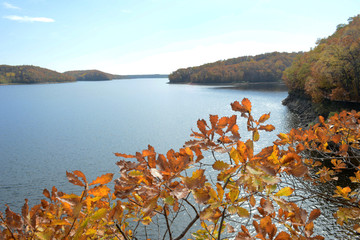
x=283 y=236
x=247 y=104
x=336 y=138
x=252 y=200
x=268 y=128
x=124 y=155
x=80 y=174
x=264 y=117
x=104 y=179
x=99 y=191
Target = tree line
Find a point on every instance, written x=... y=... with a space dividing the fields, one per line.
x=266 y=67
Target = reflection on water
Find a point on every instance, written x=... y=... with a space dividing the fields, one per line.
x=46 y=130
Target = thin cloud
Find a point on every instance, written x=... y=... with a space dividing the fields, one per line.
x=29 y=19
x=10 y=6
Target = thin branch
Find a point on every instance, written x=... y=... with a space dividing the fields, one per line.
x=221 y=222
x=187 y=228
x=167 y=223
x=122 y=233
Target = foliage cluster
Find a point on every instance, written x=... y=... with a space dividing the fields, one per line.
x=30 y=74
x=332 y=69
x=239 y=194
x=266 y=67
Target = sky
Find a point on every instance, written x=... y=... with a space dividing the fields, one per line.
x=159 y=36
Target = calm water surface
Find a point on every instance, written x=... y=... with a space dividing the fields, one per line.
x=46 y=130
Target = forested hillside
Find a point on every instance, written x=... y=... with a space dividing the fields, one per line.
x=91 y=75
x=266 y=67
x=30 y=74
x=332 y=69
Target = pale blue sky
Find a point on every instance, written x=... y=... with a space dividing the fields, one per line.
x=159 y=36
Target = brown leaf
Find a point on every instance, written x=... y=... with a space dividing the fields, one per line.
x=104 y=179
x=201 y=196
x=236 y=106
x=314 y=215
x=202 y=126
x=80 y=174
x=25 y=209
x=299 y=171
x=46 y=193
x=214 y=119
x=74 y=179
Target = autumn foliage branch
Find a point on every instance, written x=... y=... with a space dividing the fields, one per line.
x=215 y=187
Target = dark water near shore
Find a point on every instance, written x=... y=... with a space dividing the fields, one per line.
x=46 y=130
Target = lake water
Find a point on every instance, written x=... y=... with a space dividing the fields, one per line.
x=48 y=129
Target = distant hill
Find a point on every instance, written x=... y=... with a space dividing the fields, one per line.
x=31 y=74
x=144 y=76
x=91 y=75
x=266 y=67
x=96 y=75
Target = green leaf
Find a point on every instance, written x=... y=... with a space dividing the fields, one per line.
x=169 y=200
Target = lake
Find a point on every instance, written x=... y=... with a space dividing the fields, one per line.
x=48 y=129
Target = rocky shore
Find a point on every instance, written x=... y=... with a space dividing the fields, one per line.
x=308 y=112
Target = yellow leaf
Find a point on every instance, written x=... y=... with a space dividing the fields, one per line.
x=90 y=232
x=99 y=214
x=242 y=212
x=256 y=136
x=234 y=193
x=286 y=191
x=235 y=155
